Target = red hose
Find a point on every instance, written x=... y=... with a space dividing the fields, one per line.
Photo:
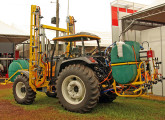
x=107 y=76
x=135 y=55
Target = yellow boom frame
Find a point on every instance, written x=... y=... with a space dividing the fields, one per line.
x=137 y=81
x=35 y=50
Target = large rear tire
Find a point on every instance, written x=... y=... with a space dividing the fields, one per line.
x=23 y=93
x=77 y=88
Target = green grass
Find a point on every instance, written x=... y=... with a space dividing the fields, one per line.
x=121 y=108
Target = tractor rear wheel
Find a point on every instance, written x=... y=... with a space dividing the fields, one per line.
x=23 y=93
x=77 y=88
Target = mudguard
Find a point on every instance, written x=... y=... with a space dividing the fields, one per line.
x=63 y=63
x=26 y=73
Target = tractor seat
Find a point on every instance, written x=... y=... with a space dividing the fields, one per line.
x=75 y=51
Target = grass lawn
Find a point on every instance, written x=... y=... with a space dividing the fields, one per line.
x=120 y=109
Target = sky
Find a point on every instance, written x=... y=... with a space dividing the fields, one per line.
x=91 y=15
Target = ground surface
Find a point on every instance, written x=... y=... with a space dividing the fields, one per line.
x=45 y=108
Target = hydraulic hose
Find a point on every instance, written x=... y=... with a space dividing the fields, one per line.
x=54 y=47
x=106 y=51
x=44 y=74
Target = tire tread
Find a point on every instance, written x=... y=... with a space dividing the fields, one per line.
x=93 y=83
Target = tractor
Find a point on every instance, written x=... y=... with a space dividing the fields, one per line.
x=79 y=78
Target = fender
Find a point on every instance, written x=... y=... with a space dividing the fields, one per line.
x=88 y=60
x=63 y=63
x=26 y=73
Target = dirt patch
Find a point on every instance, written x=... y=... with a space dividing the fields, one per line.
x=154 y=97
x=9 y=111
x=8 y=86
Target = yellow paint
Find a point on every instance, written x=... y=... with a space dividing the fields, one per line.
x=126 y=63
x=123 y=95
x=35 y=57
x=138 y=89
x=54 y=28
x=137 y=81
x=7 y=81
x=64 y=38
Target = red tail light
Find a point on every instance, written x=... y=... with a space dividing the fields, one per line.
x=150 y=53
x=92 y=60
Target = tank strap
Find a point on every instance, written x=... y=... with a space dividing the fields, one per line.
x=19 y=65
x=126 y=63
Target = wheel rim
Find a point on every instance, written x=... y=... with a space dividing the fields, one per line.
x=21 y=90
x=73 y=89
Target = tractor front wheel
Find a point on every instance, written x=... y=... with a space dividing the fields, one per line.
x=22 y=92
x=77 y=88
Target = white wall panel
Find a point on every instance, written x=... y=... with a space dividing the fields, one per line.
x=163 y=33
x=163 y=59
x=156 y=46
x=153 y=36
x=144 y=35
x=157 y=89
x=115 y=33
x=138 y=37
x=132 y=35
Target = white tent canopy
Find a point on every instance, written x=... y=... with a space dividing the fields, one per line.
x=11 y=34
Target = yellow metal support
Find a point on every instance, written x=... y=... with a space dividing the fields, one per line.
x=123 y=95
x=137 y=81
x=32 y=43
x=126 y=63
x=35 y=59
x=68 y=28
x=37 y=79
x=138 y=89
x=54 y=28
x=7 y=81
